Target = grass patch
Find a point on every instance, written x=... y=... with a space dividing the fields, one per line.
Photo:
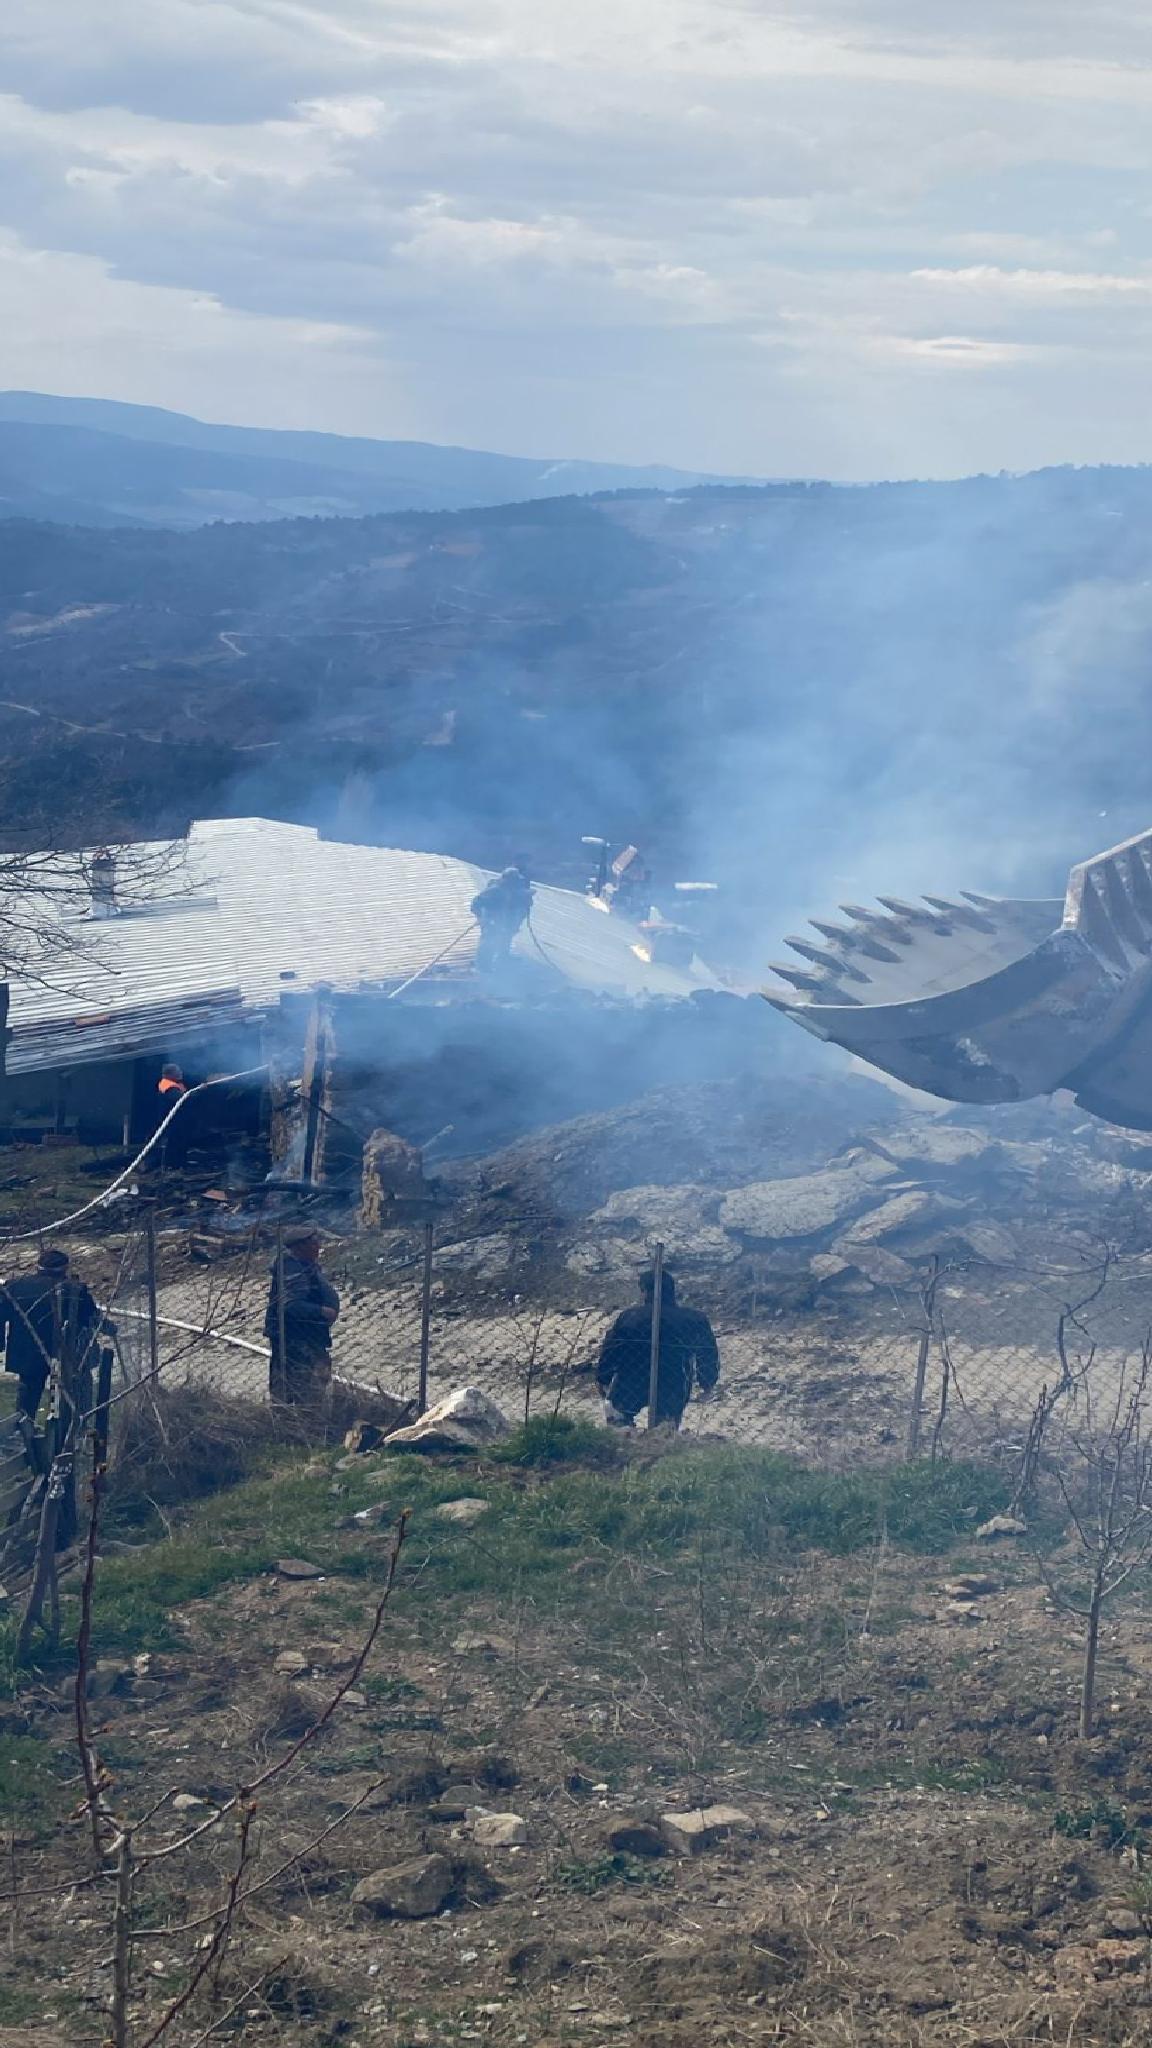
x=593 y=1874
x=734 y=1505
x=32 y=1778
x=560 y=1440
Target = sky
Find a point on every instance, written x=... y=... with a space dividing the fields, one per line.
x=848 y=238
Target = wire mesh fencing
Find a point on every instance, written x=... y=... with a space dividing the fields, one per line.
x=952 y=1366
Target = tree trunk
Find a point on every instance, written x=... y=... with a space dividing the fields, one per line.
x=1091 y=1645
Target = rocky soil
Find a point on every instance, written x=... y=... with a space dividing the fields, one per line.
x=508 y=1832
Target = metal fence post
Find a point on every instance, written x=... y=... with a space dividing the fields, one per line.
x=425 y=1318
x=916 y=1413
x=657 y=1308
x=150 y=1285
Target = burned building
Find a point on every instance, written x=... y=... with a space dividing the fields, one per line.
x=252 y=934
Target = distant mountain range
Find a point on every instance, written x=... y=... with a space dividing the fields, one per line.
x=94 y=462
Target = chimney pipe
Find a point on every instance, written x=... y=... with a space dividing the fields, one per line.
x=102 y=883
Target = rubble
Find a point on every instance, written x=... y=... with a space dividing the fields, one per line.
x=407 y=1891
x=467 y=1420
x=686 y=1834
x=1000 y=1526
x=497 y=1830
x=803 y=1207
x=466 y=1512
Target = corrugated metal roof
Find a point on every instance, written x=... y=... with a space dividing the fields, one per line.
x=252 y=907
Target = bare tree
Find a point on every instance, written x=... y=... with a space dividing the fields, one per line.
x=1105 y=1480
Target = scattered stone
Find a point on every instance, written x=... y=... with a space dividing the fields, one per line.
x=108 y=1677
x=466 y=1512
x=472 y=1643
x=989 y=1241
x=934 y=1144
x=497 y=1830
x=899 y=1213
x=1001 y=1526
x=187 y=1802
x=686 y=1834
x=660 y=1210
x=806 y=1205
x=352 y=1698
x=329 y=1657
x=408 y=1891
x=1125 y=1924
x=298 y=1568
x=467 y=1420
x=364 y=1437
x=1115 y=1958
x=291 y=1664
x=961 y=1610
x=456 y=1804
x=970 y=1586
x=883 y=1268
x=637 y=1838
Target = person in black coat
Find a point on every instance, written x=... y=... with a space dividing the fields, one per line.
x=688 y=1356
x=300 y=1368
x=47 y=1317
x=500 y=909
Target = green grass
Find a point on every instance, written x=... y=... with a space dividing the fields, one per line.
x=731 y=1505
x=560 y=1440
x=597 y=1873
x=33 y=1773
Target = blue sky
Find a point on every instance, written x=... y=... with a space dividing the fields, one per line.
x=852 y=238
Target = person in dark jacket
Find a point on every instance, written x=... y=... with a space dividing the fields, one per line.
x=500 y=909
x=300 y=1369
x=688 y=1356
x=47 y=1317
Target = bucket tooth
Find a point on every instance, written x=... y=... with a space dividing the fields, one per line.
x=819 y=986
x=841 y=933
x=833 y=962
x=960 y=913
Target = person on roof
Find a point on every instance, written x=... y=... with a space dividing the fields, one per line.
x=500 y=909
x=46 y=1319
x=688 y=1355
x=302 y=1307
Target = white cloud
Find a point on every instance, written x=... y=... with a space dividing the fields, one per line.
x=692 y=230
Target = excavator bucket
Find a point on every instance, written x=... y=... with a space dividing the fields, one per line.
x=994 y=999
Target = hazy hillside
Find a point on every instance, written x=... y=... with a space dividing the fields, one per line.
x=99 y=463
x=809 y=692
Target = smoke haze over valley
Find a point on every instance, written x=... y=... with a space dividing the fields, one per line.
x=802 y=692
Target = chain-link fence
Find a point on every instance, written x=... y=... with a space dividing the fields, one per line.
x=952 y=1365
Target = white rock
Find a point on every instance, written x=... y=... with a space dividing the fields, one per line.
x=933 y=1144
x=187 y=1802
x=466 y=1420
x=806 y=1205
x=659 y=1210
x=688 y=1833
x=895 y=1215
x=291 y=1663
x=497 y=1830
x=464 y=1511
x=1001 y=1526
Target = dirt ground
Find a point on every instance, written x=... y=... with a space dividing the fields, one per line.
x=928 y=1855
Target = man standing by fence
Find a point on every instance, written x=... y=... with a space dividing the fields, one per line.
x=302 y=1307
x=688 y=1355
x=48 y=1319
